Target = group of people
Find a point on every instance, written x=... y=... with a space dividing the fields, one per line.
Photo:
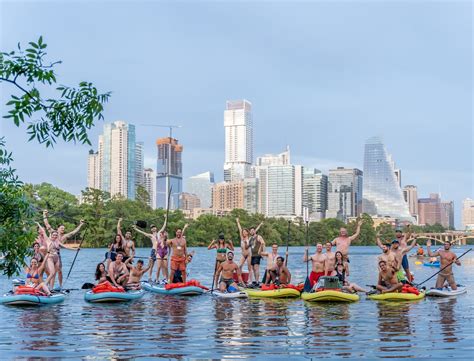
x=119 y=270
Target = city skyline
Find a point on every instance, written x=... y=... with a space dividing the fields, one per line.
x=320 y=96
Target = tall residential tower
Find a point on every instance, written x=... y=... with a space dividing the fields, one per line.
x=169 y=172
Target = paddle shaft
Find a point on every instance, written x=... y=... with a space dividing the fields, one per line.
x=77 y=252
x=214 y=276
x=442 y=269
x=307 y=253
x=287 y=244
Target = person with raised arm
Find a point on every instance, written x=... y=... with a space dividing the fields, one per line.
x=55 y=242
x=343 y=241
x=387 y=255
x=244 y=241
x=446 y=260
x=221 y=246
x=318 y=264
x=159 y=250
x=127 y=241
x=136 y=273
x=398 y=253
x=178 y=254
x=403 y=241
x=255 y=243
x=34 y=275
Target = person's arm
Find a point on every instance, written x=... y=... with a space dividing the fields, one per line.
x=119 y=228
x=184 y=229
x=111 y=274
x=43 y=264
x=407 y=234
x=356 y=234
x=431 y=254
x=379 y=281
x=287 y=271
x=240 y=228
x=127 y=262
x=133 y=248
x=408 y=249
x=379 y=242
x=135 y=228
x=45 y=221
x=395 y=285
x=458 y=262
x=148 y=266
x=230 y=245
x=258 y=227
x=164 y=224
x=212 y=245
x=169 y=242
x=346 y=266
x=72 y=233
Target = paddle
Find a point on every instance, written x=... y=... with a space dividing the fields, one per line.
x=287 y=244
x=307 y=282
x=87 y=286
x=442 y=269
x=214 y=276
x=77 y=252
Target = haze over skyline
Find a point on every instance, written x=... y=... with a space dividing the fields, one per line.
x=322 y=77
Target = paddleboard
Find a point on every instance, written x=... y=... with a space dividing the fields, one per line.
x=446 y=291
x=238 y=294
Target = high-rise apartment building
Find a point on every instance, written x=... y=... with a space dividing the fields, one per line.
x=149 y=181
x=169 y=172
x=433 y=210
x=201 y=185
x=447 y=214
x=116 y=160
x=93 y=170
x=315 y=193
x=274 y=159
x=410 y=194
x=468 y=214
x=189 y=201
x=344 y=193
x=382 y=195
x=238 y=126
x=228 y=195
x=139 y=164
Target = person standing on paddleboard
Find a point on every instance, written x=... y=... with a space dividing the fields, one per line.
x=178 y=254
x=271 y=261
x=127 y=241
x=398 y=253
x=221 y=246
x=255 y=243
x=446 y=259
x=318 y=264
x=244 y=242
x=225 y=274
x=330 y=260
x=343 y=242
x=403 y=241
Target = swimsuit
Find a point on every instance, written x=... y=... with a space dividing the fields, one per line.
x=162 y=250
x=405 y=263
x=227 y=281
x=314 y=277
x=153 y=254
x=178 y=263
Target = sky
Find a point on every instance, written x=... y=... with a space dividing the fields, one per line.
x=322 y=77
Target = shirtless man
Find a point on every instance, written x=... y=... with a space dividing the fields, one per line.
x=57 y=244
x=343 y=242
x=157 y=245
x=446 y=259
x=387 y=254
x=388 y=281
x=330 y=260
x=226 y=272
x=271 y=260
x=118 y=272
x=178 y=254
x=280 y=274
x=255 y=244
x=318 y=261
x=136 y=273
x=127 y=241
x=403 y=240
x=398 y=253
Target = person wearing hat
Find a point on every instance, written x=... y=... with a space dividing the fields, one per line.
x=399 y=252
x=221 y=246
x=225 y=274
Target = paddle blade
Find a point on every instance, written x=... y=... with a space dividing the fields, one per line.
x=87 y=286
x=141 y=224
x=307 y=285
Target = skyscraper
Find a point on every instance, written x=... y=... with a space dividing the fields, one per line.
x=169 y=169
x=410 y=194
x=315 y=193
x=382 y=195
x=274 y=159
x=344 y=193
x=149 y=181
x=468 y=214
x=429 y=210
x=447 y=214
x=93 y=170
x=201 y=185
x=228 y=195
x=238 y=126
x=139 y=162
x=116 y=156
x=189 y=201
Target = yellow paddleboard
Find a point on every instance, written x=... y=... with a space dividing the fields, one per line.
x=280 y=293
x=397 y=296
x=329 y=296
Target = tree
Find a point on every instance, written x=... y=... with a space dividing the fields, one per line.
x=68 y=116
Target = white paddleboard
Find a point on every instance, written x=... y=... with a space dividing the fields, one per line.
x=238 y=294
x=446 y=291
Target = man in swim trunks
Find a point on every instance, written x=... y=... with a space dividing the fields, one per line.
x=127 y=241
x=387 y=255
x=118 y=272
x=398 y=253
x=403 y=241
x=388 y=281
x=446 y=259
x=255 y=244
x=178 y=254
x=330 y=260
x=318 y=261
x=225 y=274
x=271 y=261
x=136 y=273
x=280 y=274
x=343 y=242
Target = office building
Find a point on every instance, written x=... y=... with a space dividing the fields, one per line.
x=201 y=185
x=189 y=201
x=139 y=164
x=238 y=125
x=149 y=181
x=410 y=194
x=227 y=196
x=315 y=193
x=344 y=193
x=169 y=172
x=433 y=210
x=382 y=195
x=93 y=170
x=468 y=214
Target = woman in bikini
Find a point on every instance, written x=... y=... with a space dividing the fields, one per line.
x=244 y=246
x=34 y=276
x=115 y=247
x=341 y=270
x=101 y=273
x=159 y=251
x=221 y=246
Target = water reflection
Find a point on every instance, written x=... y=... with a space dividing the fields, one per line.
x=448 y=320
x=395 y=331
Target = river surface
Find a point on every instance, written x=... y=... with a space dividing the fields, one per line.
x=200 y=327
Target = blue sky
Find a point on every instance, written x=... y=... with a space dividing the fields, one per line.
x=322 y=77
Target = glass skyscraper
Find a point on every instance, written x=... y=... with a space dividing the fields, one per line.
x=169 y=166
x=344 y=193
x=201 y=185
x=382 y=195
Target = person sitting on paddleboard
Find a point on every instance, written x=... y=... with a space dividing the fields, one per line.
x=101 y=273
x=318 y=264
x=225 y=274
x=271 y=261
x=136 y=273
x=446 y=259
x=280 y=274
x=341 y=271
x=388 y=281
x=34 y=276
x=118 y=271
x=221 y=246
x=178 y=254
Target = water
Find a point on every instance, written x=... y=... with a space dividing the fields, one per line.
x=205 y=327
